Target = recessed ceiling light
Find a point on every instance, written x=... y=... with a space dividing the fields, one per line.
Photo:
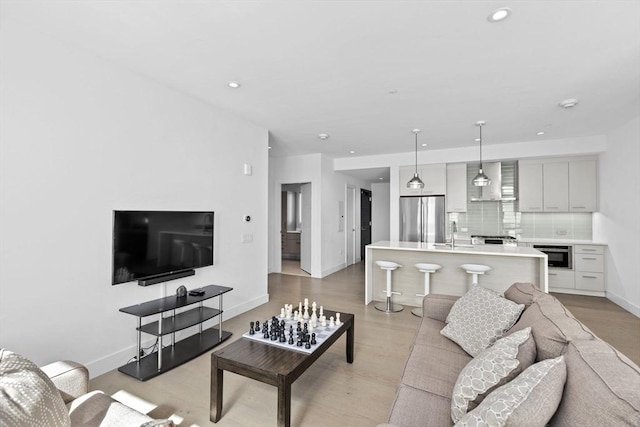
x=381 y=178
x=323 y=136
x=423 y=145
x=233 y=85
x=568 y=103
x=352 y=152
x=499 y=14
x=269 y=147
x=540 y=133
x=477 y=140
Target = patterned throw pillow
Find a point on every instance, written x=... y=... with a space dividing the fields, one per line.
x=492 y=368
x=530 y=399
x=479 y=318
x=27 y=396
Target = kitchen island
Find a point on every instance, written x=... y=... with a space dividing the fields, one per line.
x=509 y=264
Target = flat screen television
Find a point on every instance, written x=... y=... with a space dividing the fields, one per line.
x=158 y=244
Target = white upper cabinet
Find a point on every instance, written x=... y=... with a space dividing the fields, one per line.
x=555 y=181
x=558 y=185
x=433 y=176
x=456 y=199
x=583 y=182
x=530 y=187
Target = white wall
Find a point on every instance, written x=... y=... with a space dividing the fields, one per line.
x=81 y=137
x=290 y=170
x=327 y=187
x=618 y=222
x=334 y=190
x=380 y=202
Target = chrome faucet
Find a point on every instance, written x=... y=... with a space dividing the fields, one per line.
x=454 y=229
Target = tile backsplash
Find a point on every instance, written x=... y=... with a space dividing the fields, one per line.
x=492 y=218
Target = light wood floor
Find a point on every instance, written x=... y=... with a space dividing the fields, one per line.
x=331 y=392
x=292 y=266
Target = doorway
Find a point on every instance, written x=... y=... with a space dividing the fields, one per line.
x=295 y=229
x=365 y=220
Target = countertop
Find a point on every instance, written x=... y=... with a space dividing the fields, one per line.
x=561 y=241
x=498 y=250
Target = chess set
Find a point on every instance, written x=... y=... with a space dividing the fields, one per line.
x=300 y=330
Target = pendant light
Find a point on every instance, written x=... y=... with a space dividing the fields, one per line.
x=416 y=182
x=481 y=180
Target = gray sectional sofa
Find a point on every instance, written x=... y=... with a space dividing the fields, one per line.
x=602 y=386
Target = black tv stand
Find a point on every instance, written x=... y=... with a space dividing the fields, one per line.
x=180 y=352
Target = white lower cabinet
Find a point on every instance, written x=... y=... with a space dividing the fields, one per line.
x=561 y=278
x=590 y=281
x=589 y=267
x=587 y=276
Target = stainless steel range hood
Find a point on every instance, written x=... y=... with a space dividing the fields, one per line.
x=493 y=191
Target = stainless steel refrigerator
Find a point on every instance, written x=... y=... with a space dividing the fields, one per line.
x=422 y=219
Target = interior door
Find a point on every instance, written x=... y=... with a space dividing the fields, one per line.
x=365 y=220
x=350 y=227
x=305 y=227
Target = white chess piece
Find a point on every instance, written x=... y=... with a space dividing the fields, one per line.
x=314 y=306
x=295 y=316
x=305 y=316
x=282 y=313
x=306 y=303
x=338 y=322
x=321 y=311
x=332 y=323
x=300 y=307
x=323 y=321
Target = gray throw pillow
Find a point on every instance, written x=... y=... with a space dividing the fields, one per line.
x=479 y=318
x=530 y=399
x=493 y=367
x=27 y=396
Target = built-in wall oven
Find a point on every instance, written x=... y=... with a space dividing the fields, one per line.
x=558 y=256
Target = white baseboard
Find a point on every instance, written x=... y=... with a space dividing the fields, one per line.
x=115 y=360
x=332 y=270
x=631 y=308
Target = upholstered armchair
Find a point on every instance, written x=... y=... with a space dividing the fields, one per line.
x=57 y=394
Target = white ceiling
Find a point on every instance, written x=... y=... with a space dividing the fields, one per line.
x=310 y=67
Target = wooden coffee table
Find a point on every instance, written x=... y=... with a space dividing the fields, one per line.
x=271 y=365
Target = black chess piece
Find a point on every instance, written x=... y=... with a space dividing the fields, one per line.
x=299 y=328
x=282 y=338
x=313 y=339
x=251 y=330
x=299 y=343
x=307 y=345
x=257 y=325
x=291 y=340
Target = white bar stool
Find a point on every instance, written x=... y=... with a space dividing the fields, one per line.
x=427 y=269
x=475 y=270
x=388 y=306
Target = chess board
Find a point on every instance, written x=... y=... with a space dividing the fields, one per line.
x=322 y=333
